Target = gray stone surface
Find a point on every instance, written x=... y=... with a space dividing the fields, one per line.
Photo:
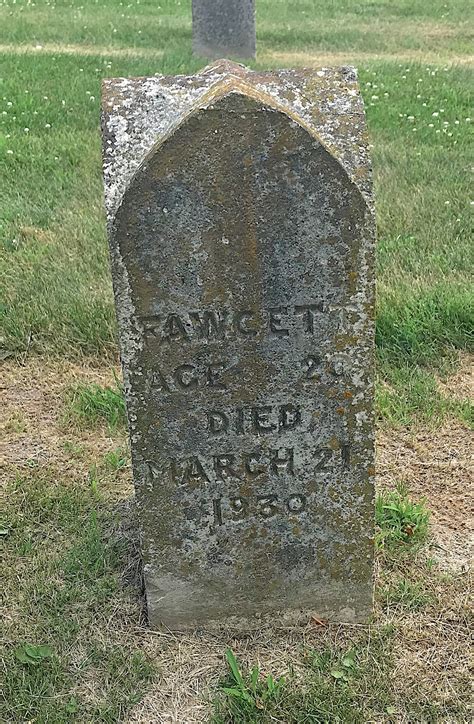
x=241 y=234
x=224 y=28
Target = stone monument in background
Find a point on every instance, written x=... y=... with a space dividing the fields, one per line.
x=224 y=28
x=241 y=236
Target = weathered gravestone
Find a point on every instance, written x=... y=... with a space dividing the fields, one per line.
x=242 y=240
x=224 y=28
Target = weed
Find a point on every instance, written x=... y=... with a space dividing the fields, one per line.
x=32 y=655
x=115 y=459
x=248 y=695
x=407 y=595
x=334 y=685
x=402 y=524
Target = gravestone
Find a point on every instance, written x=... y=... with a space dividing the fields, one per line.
x=224 y=28
x=241 y=236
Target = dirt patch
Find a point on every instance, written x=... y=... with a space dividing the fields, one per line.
x=460 y=385
x=436 y=465
x=32 y=428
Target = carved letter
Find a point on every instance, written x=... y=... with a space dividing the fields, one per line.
x=158 y=381
x=210 y=324
x=213 y=371
x=185 y=376
x=282 y=460
x=275 y=321
x=290 y=417
x=174 y=328
x=218 y=422
x=308 y=317
x=260 y=419
x=240 y=319
x=223 y=466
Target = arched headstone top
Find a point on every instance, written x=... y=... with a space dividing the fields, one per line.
x=138 y=113
x=232 y=87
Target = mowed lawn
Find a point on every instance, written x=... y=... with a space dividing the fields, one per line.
x=72 y=575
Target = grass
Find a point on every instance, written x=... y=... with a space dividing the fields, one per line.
x=53 y=264
x=402 y=523
x=91 y=403
x=76 y=646
x=70 y=553
x=406 y=595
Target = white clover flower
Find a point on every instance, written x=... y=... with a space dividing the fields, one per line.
x=430 y=125
x=9 y=151
x=26 y=130
x=435 y=114
x=410 y=118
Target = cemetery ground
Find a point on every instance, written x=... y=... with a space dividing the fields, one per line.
x=76 y=643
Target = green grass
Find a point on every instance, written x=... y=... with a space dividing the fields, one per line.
x=57 y=296
x=401 y=522
x=406 y=595
x=69 y=552
x=92 y=404
x=336 y=684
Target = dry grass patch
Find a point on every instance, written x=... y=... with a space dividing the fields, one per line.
x=74 y=583
x=34 y=429
x=311 y=59
x=437 y=465
x=460 y=384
